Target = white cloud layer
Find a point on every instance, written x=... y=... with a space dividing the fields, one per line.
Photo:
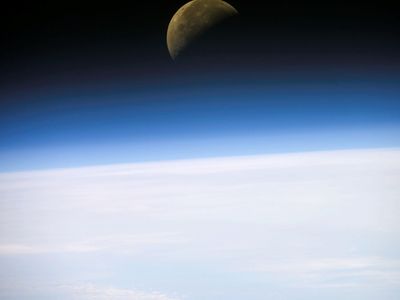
x=327 y=219
x=88 y=291
x=92 y=292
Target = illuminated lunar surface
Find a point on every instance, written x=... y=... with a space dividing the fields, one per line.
x=193 y=19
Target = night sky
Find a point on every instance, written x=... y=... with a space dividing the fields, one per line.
x=91 y=83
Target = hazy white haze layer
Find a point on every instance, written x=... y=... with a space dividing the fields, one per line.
x=320 y=225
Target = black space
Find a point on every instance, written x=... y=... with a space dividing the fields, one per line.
x=85 y=41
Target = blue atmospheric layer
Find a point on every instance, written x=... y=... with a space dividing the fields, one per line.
x=46 y=128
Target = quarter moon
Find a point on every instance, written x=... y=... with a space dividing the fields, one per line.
x=193 y=19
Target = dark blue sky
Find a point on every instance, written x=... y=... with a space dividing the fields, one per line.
x=244 y=113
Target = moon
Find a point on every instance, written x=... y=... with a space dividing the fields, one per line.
x=193 y=19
